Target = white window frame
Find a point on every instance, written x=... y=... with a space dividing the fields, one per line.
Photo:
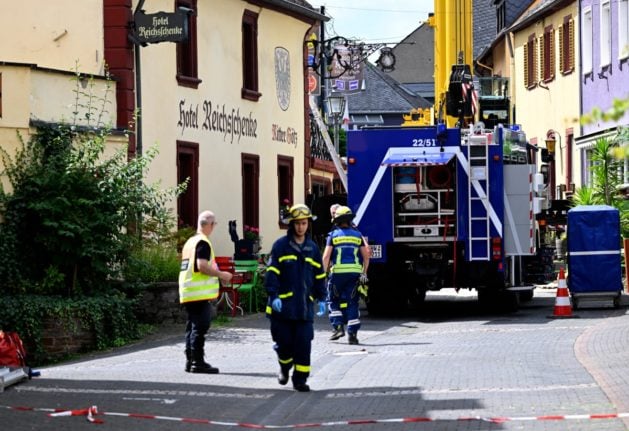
x=623 y=29
x=587 y=41
x=605 y=32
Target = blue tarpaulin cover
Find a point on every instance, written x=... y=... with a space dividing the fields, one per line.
x=594 y=249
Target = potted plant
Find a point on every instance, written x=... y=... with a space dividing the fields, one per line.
x=252 y=233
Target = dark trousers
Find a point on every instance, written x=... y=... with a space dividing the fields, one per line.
x=293 y=344
x=198 y=324
x=344 y=300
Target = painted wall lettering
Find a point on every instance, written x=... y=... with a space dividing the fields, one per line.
x=288 y=135
x=219 y=119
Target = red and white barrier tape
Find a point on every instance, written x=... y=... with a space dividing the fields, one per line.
x=93 y=411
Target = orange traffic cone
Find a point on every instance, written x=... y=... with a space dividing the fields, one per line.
x=563 y=308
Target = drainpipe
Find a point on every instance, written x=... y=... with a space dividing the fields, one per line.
x=138 y=92
x=580 y=72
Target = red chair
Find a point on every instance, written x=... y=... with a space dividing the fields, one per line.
x=229 y=289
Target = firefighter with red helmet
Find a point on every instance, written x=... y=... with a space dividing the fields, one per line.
x=294 y=280
x=346 y=256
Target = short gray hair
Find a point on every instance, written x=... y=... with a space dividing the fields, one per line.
x=205 y=218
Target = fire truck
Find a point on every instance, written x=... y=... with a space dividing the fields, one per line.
x=444 y=207
x=451 y=203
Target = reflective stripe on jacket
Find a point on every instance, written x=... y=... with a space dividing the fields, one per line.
x=295 y=275
x=194 y=285
x=346 y=257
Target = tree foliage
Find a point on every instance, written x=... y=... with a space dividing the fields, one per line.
x=607 y=177
x=66 y=221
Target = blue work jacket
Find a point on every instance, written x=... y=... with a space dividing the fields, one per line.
x=295 y=275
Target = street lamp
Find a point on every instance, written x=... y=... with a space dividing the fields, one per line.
x=336 y=108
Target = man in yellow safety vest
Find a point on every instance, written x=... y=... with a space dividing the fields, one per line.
x=198 y=285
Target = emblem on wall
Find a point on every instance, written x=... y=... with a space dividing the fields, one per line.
x=282 y=77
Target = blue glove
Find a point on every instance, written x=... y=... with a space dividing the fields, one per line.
x=277 y=305
x=321 y=311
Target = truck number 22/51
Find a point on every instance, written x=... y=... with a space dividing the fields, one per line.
x=427 y=142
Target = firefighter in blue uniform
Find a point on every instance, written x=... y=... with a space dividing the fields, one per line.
x=294 y=280
x=346 y=256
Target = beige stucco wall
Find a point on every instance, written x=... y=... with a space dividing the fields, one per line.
x=220 y=69
x=540 y=110
x=44 y=43
x=30 y=93
x=56 y=34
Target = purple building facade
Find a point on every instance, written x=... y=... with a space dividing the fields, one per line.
x=604 y=68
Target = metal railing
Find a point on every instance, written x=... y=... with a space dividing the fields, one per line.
x=318 y=148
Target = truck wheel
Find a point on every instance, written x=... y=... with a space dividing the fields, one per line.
x=526 y=295
x=378 y=295
x=510 y=301
x=417 y=298
x=498 y=300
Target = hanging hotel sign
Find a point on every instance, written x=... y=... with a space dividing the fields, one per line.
x=160 y=27
x=348 y=69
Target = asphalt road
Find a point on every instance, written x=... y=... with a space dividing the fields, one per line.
x=454 y=367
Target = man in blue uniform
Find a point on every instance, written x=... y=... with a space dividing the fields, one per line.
x=346 y=255
x=294 y=280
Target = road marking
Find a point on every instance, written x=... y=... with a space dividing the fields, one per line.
x=420 y=391
x=159 y=400
x=357 y=352
x=144 y=392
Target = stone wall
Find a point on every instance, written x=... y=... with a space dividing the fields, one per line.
x=61 y=337
x=159 y=303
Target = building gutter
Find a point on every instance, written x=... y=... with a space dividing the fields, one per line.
x=297 y=10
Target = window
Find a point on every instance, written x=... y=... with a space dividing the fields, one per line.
x=188 y=170
x=187 y=65
x=530 y=62
x=501 y=13
x=284 y=181
x=250 y=190
x=623 y=29
x=606 y=34
x=250 y=56
x=547 y=54
x=586 y=42
x=566 y=46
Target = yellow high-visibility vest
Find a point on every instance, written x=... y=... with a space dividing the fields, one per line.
x=194 y=285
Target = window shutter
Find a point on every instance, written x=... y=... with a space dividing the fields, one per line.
x=526 y=65
x=542 y=57
x=535 y=62
x=551 y=63
x=570 y=47
x=562 y=52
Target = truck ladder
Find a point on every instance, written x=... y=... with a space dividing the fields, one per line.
x=328 y=142
x=478 y=195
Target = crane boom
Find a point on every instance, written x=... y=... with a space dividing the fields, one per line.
x=452 y=23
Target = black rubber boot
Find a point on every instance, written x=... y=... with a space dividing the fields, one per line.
x=338 y=333
x=188 y=360
x=353 y=339
x=200 y=366
x=301 y=387
x=282 y=377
